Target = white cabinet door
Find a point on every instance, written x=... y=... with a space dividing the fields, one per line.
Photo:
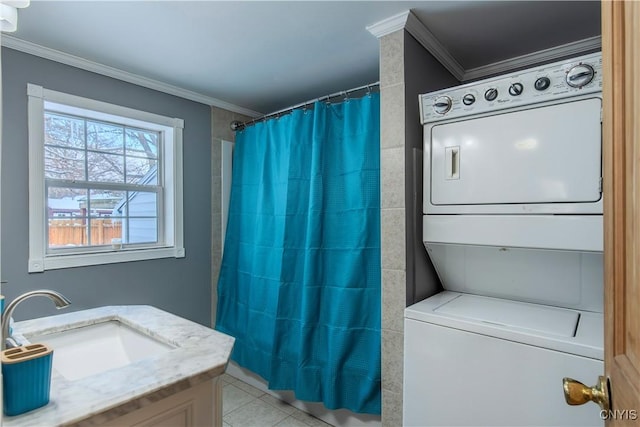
x=550 y=154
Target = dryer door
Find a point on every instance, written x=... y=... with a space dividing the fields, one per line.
x=550 y=154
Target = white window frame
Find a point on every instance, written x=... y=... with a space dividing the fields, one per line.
x=171 y=237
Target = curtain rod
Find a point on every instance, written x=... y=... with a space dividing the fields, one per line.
x=237 y=125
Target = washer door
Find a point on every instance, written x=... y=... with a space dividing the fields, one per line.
x=550 y=154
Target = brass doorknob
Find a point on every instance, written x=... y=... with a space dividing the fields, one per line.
x=576 y=393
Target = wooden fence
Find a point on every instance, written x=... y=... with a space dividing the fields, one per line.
x=63 y=232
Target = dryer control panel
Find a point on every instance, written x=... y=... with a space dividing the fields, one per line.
x=564 y=79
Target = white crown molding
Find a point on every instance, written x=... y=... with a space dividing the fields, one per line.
x=409 y=22
x=95 y=67
x=426 y=38
x=389 y=25
x=546 y=55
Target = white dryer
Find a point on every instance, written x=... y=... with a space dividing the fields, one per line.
x=513 y=226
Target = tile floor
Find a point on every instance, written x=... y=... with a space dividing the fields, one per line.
x=246 y=406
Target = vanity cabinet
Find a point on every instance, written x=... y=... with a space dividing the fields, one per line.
x=200 y=405
x=177 y=387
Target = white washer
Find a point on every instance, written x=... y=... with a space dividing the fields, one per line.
x=480 y=361
x=513 y=226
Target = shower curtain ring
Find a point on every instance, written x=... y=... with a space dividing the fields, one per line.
x=369 y=91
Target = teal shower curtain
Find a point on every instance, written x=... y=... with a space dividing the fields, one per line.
x=299 y=286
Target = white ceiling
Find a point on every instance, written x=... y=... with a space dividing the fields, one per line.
x=266 y=55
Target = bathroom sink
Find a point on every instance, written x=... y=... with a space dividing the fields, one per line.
x=89 y=350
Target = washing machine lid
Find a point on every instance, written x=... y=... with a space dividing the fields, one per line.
x=532 y=324
x=539 y=318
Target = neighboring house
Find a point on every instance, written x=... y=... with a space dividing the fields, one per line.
x=101 y=205
x=64 y=208
x=139 y=221
x=74 y=207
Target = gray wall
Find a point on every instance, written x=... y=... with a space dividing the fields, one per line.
x=181 y=286
x=422 y=74
x=406 y=70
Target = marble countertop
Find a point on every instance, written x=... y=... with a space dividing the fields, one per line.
x=200 y=354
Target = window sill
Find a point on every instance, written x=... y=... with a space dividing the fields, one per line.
x=55 y=262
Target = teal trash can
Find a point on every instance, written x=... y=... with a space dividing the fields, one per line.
x=26 y=378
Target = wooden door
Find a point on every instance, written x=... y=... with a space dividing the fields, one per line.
x=621 y=133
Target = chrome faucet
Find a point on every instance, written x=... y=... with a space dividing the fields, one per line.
x=59 y=300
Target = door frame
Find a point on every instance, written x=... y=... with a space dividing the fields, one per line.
x=621 y=166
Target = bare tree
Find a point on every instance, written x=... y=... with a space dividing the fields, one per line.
x=82 y=150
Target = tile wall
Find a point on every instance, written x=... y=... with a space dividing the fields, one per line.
x=392 y=168
x=406 y=70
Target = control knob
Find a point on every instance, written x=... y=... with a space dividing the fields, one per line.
x=491 y=94
x=442 y=104
x=468 y=99
x=516 y=89
x=580 y=75
x=542 y=83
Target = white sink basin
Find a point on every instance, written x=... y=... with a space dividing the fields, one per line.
x=89 y=350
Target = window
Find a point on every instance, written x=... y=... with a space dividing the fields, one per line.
x=105 y=183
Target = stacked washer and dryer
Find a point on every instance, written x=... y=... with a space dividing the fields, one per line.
x=513 y=226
